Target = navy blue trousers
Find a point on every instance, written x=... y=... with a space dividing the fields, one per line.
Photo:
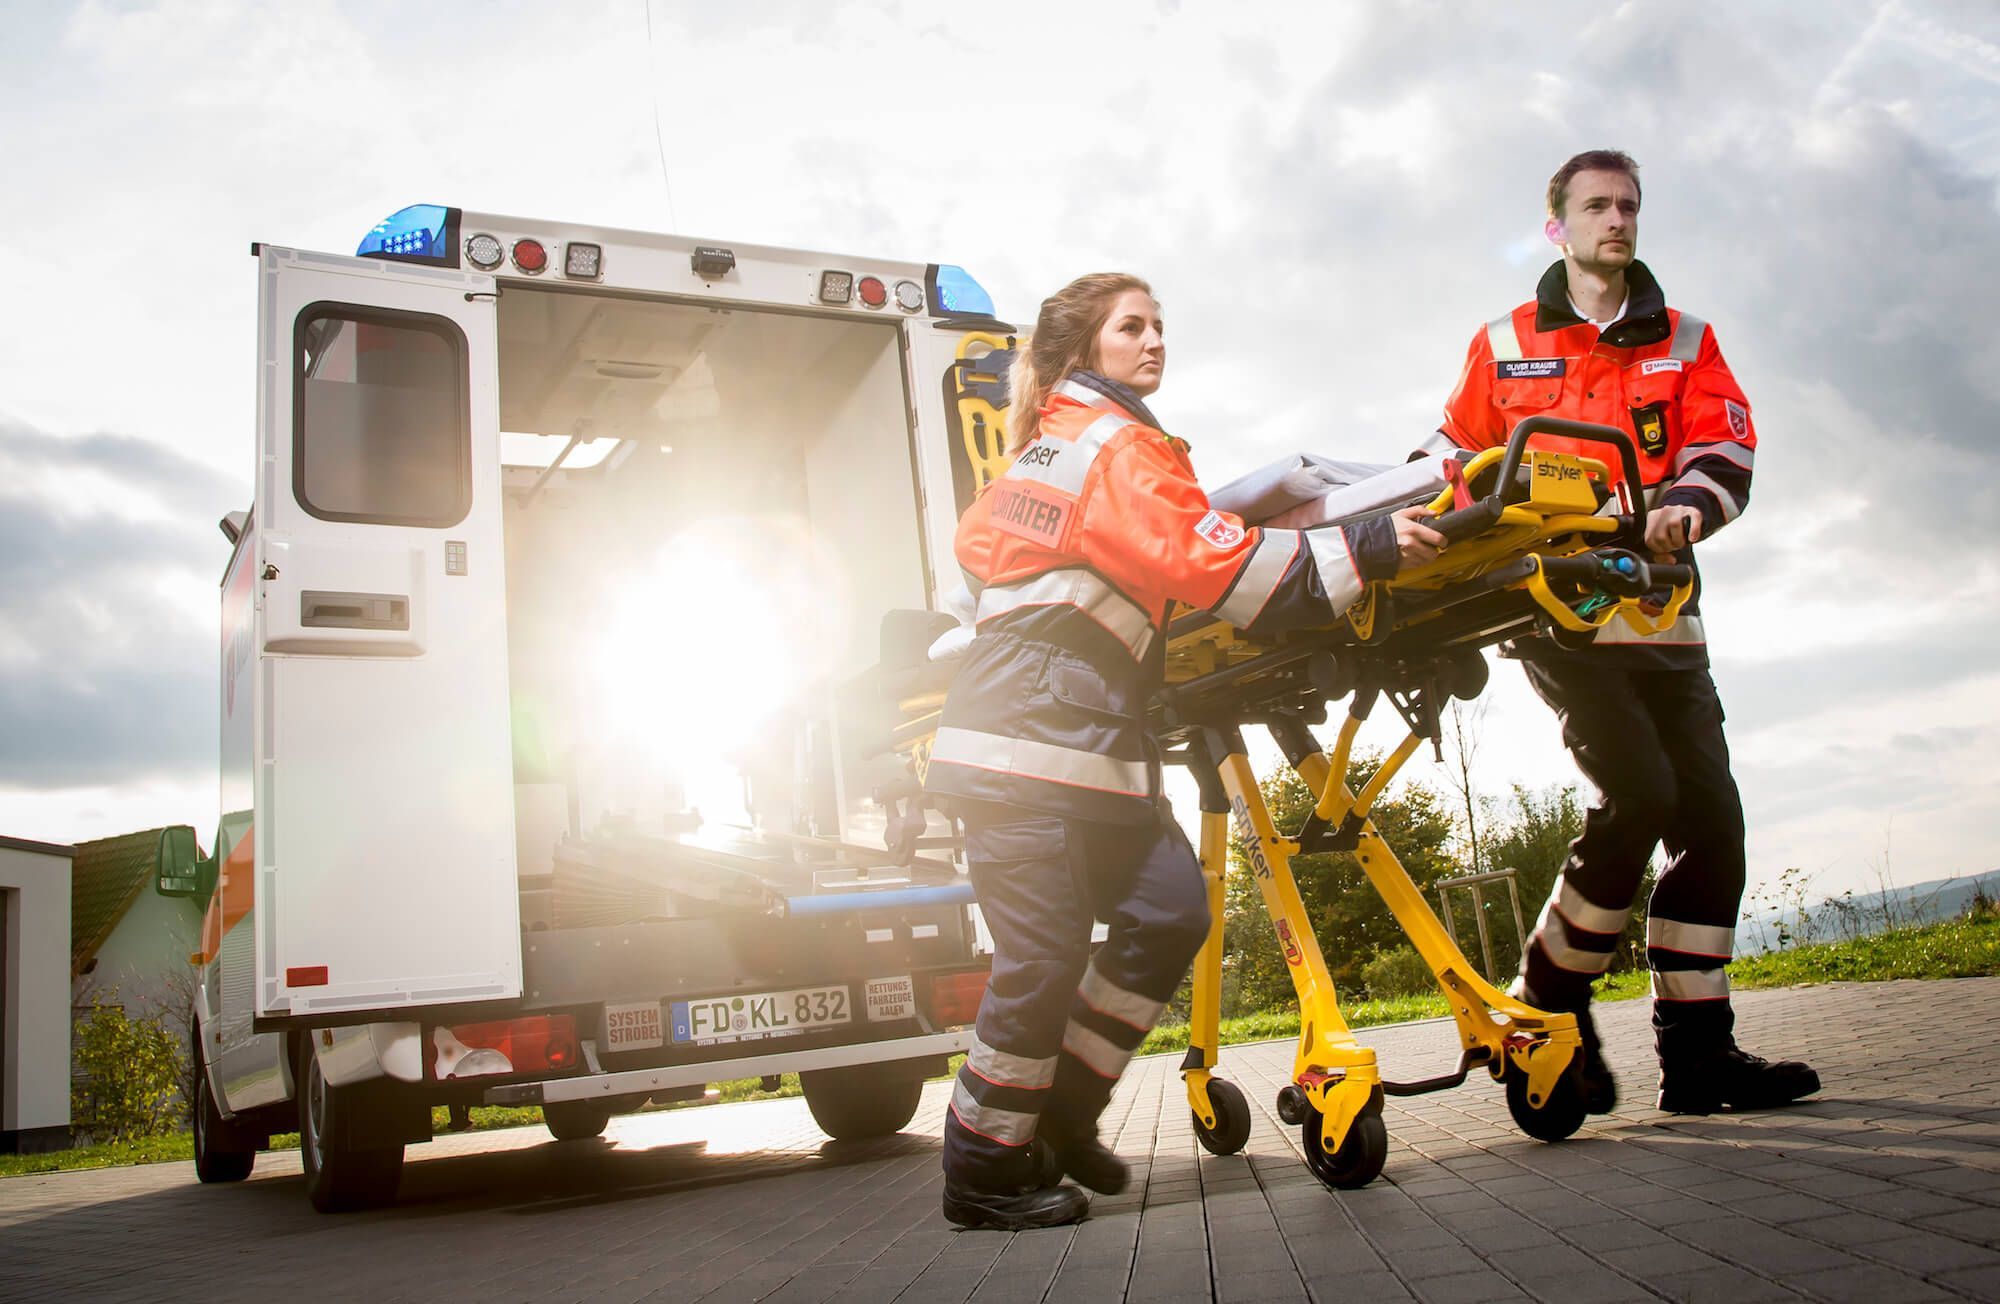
x=1058 y=1025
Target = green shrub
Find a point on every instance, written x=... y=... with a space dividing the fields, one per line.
x=130 y=1072
x=1399 y=971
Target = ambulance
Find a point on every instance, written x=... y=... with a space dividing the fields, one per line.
x=553 y=753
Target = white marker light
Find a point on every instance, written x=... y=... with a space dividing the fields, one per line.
x=583 y=261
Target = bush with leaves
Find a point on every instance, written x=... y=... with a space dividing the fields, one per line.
x=130 y=1074
x=1398 y=971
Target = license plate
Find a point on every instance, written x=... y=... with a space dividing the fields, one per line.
x=769 y=1014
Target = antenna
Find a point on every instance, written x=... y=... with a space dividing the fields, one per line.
x=659 y=140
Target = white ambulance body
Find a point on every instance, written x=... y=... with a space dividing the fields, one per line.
x=567 y=560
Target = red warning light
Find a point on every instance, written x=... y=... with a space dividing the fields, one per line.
x=529 y=256
x=871 y=291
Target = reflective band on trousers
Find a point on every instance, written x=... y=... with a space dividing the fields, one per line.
x=1688 y=335
x=1063 y=463
x=1335 y=565
x=1095 y=1050
x=1010 y=1127
x=1039 y=760
x=1554 y=937
x=1726 y=449
x=1107 y=997
x=1006 y=1069
x=1690 y=939
x=1500 y=336
x=1585 y=914
x=1071 y=586
x=1260 y=576
x=1731 y=509
x=1690 y=984
x=1685 y=629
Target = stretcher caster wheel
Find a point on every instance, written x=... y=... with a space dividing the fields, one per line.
x=1293 y=1107
x=1360 y=1157
x=1232 y=1120
x=1558 y=1117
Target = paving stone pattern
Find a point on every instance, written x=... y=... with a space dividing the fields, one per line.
x=1886 y=1189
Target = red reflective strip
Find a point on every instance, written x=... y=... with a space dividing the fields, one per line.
x=311 y=975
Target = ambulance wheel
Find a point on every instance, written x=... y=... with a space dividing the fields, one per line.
x=1232 y=1120
x=1556 y=1118
x=862 y=1101
x=576 y=1120
x=220 y=1154
x=339 y=1176
x=1360 y=1157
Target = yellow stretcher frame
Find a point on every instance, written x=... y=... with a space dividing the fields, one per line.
x=1527 y=556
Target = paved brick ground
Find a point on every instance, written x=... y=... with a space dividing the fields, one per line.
x=1885 y=1189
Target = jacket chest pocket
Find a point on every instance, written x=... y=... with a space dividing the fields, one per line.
x=1526 y=386
x=1654 y=401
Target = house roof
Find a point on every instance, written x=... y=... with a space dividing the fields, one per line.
x=27 y=844
x=106 y=877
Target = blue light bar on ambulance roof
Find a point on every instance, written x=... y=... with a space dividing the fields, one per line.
x=421 y=233
x=953 y=293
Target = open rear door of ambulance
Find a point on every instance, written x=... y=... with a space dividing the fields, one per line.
x=960 y=364
x=384 y=827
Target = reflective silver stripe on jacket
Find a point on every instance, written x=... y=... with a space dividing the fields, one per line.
x=1071 y=586
x=1107 y=997
x=1006 y=1069
x=1690 y=939
x=1009 y=1127
x=1030 y=759
x=1688 y=335
x=1726 y=449
x=1085 y=394
x=1335 y=565
x=1685 y=629
x=1585 y=914
x=1095 y=1050
x=1690 y=984
x=1731 y=509
x=1063 y=463
x=1438 y=444
x=1554 y=937
x=1259 y=578
x=1500 y=337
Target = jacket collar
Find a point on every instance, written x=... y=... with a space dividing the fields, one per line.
x=1102 y=392
x=1645 y=320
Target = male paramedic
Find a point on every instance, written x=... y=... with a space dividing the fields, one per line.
x=1076 y=554
x=1598 y=343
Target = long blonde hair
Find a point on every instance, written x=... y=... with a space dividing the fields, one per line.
x=1064 y=339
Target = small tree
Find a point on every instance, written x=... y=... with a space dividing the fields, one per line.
x=130 y=1074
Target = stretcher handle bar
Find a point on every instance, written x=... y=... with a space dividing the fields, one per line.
x=1481 y=516
x=1641 y=576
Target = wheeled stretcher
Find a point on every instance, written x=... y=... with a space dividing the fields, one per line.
x=1538 y=543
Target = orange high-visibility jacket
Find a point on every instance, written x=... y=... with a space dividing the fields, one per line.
x=1656 y=373
x=1075 y=555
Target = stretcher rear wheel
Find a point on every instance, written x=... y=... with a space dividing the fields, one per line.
x=1360 y=1157
x=1232 y=1120
x=1559 y=1116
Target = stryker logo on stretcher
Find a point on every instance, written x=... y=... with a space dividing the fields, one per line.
x=1253 y=845
x=1558 y=470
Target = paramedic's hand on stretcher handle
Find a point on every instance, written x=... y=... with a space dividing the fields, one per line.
x=1416 y=542
x=1671 y=528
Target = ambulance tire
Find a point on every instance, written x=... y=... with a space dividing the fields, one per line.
x=340 y=1177
x=862 y=1101
x=576 y=1120
x=221 y=1152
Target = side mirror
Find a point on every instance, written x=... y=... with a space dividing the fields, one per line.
x=176 y=862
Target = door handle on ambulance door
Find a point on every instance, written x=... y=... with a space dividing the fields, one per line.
x=320 y=609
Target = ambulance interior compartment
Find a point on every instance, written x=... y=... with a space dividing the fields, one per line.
x=694 y=589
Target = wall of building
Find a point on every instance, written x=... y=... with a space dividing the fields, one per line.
x=35 y=1002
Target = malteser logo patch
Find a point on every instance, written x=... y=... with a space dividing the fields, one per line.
x=1218 y=531
x=1533 y=368
x=1652 y=365
x=1739 y=417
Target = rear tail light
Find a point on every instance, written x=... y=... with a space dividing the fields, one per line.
x=871 y=291
x=955 y=997
x=530 y=256
x=532 y=1045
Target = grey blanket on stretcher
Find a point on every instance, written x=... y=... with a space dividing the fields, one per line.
x=1305 y=490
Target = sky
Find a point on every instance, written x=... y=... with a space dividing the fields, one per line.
x=1329 y=199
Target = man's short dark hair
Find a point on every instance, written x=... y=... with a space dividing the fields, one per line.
x=1591 y=160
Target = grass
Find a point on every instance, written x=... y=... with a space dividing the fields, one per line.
x=1959 y=948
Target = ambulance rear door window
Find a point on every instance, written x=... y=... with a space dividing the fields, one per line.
x=381 y=429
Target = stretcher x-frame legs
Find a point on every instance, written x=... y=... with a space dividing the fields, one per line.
x=1337 y=1088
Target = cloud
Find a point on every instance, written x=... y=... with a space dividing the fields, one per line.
x=109 y=558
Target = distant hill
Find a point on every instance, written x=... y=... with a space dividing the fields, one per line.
x=1858 y=915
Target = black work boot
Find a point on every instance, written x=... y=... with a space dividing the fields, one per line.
x=1600 y=1089
x=1697 y=1083
x=1049 y=1206
x=1089 y=1160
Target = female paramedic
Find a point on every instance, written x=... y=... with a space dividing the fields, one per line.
x=1075 y=556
